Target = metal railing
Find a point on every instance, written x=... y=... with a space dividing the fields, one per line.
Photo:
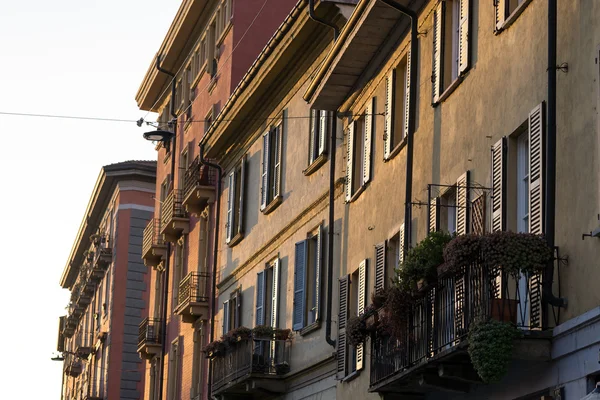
x=172 y=207
x=149 y=332
x=152 y=236
x=251 y=356
x=440 y=316
x=193 y=288
x=198 y=175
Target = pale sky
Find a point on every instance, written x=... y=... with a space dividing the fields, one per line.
x=66 y=57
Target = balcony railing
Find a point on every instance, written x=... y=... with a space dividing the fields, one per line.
x=259 y=361
x=173 y=219
x=149 y=337
x=439 y=320
x=199 y=187
x=154 y=248
x=192 y=298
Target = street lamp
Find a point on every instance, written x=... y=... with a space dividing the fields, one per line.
x=159 y=135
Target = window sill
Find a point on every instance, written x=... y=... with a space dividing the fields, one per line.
x=272 y=205
x=322 y=159
x=512 y=17
x=357 y=194
x=315 y=326
x=352 y=376
x=223 y=34
x=449 y=90
x=213 y=83
x=396 y=150
x=167 y=157
x=236 y=239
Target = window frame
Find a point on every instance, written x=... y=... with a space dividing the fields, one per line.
x=397 y=103
x=318 y=135
x=509 y=18
x=272 y=166
x=234 y=227
x=359 y=164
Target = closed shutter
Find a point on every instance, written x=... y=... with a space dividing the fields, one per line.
x=323 y=132
x=342 y=319
x=380 y=266
x=407 y=97
x=299 y=286
x=462 y=204
x=499 y=185
x=463 y=36
x=437 y=72
x=402 y=238
x=319 y=261
x=275 y=294
x=349 y=161
x=388 y=127
x=230 y=206
x=500 y=6
x=362 y=299
x=312 y=135
x=242 y=183
x=225 y=317
x=264 y=192
x=368 y=139
x=434 y=214
x=281 y=133
x=259 y=317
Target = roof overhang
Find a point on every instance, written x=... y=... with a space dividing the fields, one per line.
x=172 y=52
x=358 y=53
x=107 y=180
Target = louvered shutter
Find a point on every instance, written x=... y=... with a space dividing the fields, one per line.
x=462 y=204
x=362 y=299
x=259 y=317
x=323 y=124
x=500 y=6
x=275 y=294
x=437 y=69
x=238 y=311
x=281 y=133
x=312 y=136
x=388 y=128
x=300 y=285
x=463 y=36
x=230 y=206
x=319 y=258
x=264 y=193
x=349 y=161
x=380 y=267
x=342 y=319
x=242 y=183
x=225 y=317
x=499 y=185
x=407 y=97
x=402 y=237
x=434 y=214
x=368 y=139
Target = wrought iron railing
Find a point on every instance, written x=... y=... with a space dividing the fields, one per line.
x=198 y=175
x=149 y=332
x=172 y=207
x=251 y=356
x=152 y=236
x=440 y=316
x=193 y=288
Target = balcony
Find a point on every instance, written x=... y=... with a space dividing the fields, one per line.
x=192 y=298
x=83 y=347
x=154 y=249
x=149 y=339
x=432 y=353
x=70 y=325
x=174 y=221
x=199 y=187
x=101 y=262
x=74 y=367
x=253 y=368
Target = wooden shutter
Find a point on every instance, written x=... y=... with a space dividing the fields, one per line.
x=323 y=124
x=230 y=206
x=499 y=185
x=369 y=122
x=299 y=286
x=242 y=183
x=388 y=127
x=380 y=259
x=259 y=317
x=407 y=97
x=312 y=135
x=238 y=309
x=402 y=237
x=225 y=317
x=438 y=49
x=463 y=36
x=362 y=299
x=319 y=258
x=264 y=192
x=281 y=133
x=501 y=6
x=434 y=214
x=462 y=204
x=349 y=160
x=342 y=319
x=275 y=293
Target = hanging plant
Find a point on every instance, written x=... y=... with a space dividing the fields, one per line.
x=283 y=334
x=356 y=330
x=461 y=251
x=263 y=332
x=231 y=338
x=214 y=349
x=95 y=238
x=516 y=253
x=395 y=314
x=491 y=345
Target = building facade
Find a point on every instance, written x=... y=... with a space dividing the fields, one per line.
x=108 y=281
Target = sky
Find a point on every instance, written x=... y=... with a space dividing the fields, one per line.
x=66 y=57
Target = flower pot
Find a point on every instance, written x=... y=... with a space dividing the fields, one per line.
x=504 y=310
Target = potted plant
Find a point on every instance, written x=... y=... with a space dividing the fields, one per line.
x=95 y=238
x=283 y=334
x=263 y=332
x=356 y=330
x=236 y=335
x=460 y=252
x=282 y=368
x=213 y=349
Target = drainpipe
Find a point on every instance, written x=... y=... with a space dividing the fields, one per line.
x=550 y=187
x=168 y=258
x=412 y=112
x=331 y=219
x=215 y=252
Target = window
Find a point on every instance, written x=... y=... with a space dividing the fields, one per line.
x=173 y=377
x=307 y=280
x=208 y=120
x=267 y=295
x=317 y=140
x=211 y=48
x=358 y=152
x=232 y=311
x=178 y=271
x=271 y=166
x=235 y=204
x=154 y=378
x=388 y=258
x=397 y=98
x=450 y=211
x=165 y=117
x=165 y=187
x=450 y=45
x=184 y=161
x=507 y=11
x=158 y=293
x=197 y=361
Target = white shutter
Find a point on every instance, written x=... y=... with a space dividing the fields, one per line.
x=323 y=124
x=280 y=133
x=259 y=317
x=500 y=6
x=407 y=97
x=434 y=214
x=437 y=69
x=264 y=192
x=300 y=269
x=275 y=293
x=349 y=161
x=380 y=259
x=230 y=205
x=536 y=173
x=463 y=36
x=226 y=327
x=362 y=298
x=319 y=259
x=342 y=319
x=388 y=128
x=312 y=135
x=368 y=139
x=498 y=185
x=462 y=204
x=242 y=183
x=402 y=237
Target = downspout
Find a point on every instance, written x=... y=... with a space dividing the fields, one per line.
x=331 y=218
x=412 y=113
x=550 y=187
x=168 y=258
x=215 y=252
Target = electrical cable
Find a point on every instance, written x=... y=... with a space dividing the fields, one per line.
x=66 y=117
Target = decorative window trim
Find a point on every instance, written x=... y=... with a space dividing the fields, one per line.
x=312 y=168
x=510 y=19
